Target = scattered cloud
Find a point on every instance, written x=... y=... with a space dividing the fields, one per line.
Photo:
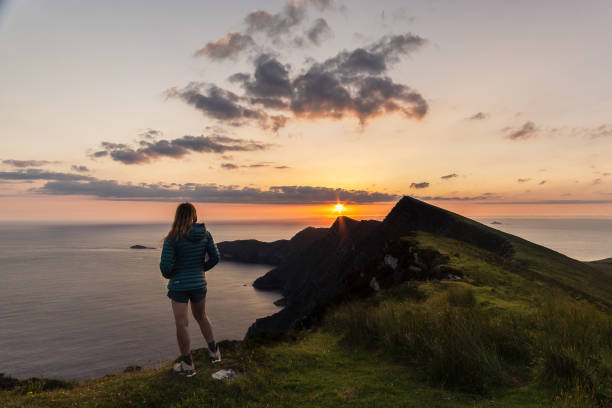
x=478 y=116
x=213 y=193
x=276 y=25
x=449 y=176
x=80 y=169
x=227 y=47
x=526 y=131
x=523 y=180
x=542 y=182
x=423 y=184
x=27 y=163
x=152 y=149
x=597 y=181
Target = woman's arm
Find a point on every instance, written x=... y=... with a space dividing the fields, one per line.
x=213 y=254
x=167 y=258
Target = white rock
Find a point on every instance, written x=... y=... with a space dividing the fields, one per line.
x=374 y=284
x=224 y=374
x=391 y=261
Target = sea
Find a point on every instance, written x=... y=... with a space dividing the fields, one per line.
x=77 y=302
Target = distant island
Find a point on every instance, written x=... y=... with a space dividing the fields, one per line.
x=140 y=247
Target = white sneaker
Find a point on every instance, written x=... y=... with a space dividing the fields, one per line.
x=216 y=356
x=182 y=368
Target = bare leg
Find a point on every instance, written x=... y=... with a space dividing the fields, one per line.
x=199 y=314
x=182 y=333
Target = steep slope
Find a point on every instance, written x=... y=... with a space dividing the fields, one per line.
x=355 y=258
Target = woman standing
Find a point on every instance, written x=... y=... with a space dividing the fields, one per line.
x=184 y=261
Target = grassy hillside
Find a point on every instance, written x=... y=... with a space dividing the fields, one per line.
x=534 y=332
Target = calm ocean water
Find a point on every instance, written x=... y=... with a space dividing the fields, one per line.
x=76 y=302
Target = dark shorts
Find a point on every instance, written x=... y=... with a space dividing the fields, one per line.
x=183 y=296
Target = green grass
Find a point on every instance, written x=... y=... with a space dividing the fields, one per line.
x=508 y=335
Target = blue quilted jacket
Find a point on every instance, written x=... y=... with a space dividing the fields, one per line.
x=184 y=260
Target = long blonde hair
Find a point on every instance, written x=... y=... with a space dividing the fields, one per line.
x=184 y=217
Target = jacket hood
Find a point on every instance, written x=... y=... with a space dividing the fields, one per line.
x=197 y=232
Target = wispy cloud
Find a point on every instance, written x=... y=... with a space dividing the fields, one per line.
x=79 y=168
x=226 y=47
x=449 y=176
x=27 y=163
x=528 y=130
x=478 y=116
x=38 y=174
x=423 y=184
x=235 y=166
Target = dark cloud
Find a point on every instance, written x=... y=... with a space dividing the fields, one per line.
x=223 y=105
x=479 y=116
x=80 y=169
x=542 y=182
x=27 y=163
x=449 y=176
x=227 y=47
x=526 y=131
x=601 y=131
x=523 y=180
x=352 y=83
x=151 y=149
x=38 y=174
x=113 y=190
x=423 y=184
x=319 y=31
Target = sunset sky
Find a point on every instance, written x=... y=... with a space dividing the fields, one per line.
x=117 y=110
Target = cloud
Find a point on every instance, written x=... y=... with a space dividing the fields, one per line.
x=227 y=47
x=152 y=149
x=38 y=174
x=601 y=131
x=485 y=196
x=352 y=83
x=212 y=193
x=542 y=182
x=276 y=25
x=478 y=116
x=523 y=180
x=27 y=163
x=526 y=131
x=449 y=176
x=234 y=166
x=551 y=202
x=423 y=184
x=80 y=169
x=319 y=31
x=225 y=106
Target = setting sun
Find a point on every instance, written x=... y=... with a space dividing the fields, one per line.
x=339 y=207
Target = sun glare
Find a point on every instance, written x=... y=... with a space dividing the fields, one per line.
x=339 y=208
